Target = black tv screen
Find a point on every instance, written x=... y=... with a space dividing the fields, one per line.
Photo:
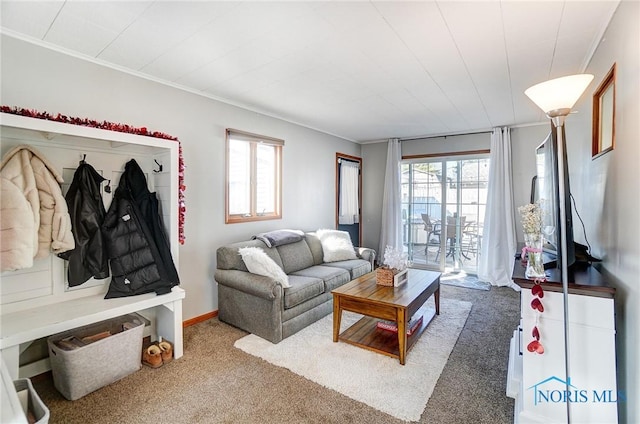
x=546 y=190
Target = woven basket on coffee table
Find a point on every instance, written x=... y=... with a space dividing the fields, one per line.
x=384 y=276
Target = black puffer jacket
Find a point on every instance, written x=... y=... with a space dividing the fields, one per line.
x=138 y=247
x=89 y=257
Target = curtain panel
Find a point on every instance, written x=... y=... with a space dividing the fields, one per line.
x=391 y=230
x=499 y=235
x=349 y=208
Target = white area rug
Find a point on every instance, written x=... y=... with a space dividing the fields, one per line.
x=461 y=279
x=374 y=379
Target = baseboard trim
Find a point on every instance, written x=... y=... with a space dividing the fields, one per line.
x=199 y=319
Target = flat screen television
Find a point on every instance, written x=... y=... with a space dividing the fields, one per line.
x=546 y=190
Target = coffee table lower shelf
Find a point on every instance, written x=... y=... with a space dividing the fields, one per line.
x=365 y=334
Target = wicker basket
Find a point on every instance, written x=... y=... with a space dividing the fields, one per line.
x=384 y=276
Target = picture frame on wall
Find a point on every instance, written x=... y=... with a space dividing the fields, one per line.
x=604 y=111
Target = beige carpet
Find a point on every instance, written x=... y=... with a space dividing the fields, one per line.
x=216 y=383
x=374 y=379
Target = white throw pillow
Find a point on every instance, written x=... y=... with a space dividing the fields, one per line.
x=258 y=262
x=336 y=245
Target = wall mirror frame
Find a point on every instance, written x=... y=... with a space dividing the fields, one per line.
x=604 y=112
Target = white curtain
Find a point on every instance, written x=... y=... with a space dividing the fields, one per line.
x=499 y=235
x=391 y=231
x=349 y=208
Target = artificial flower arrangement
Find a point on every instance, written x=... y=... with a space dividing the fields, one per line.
x=393 y=271
x=531 y=217
x=395 y=259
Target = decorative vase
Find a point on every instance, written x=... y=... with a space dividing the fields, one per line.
x=533 y=248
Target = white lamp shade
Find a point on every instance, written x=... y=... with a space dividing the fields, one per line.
x=559 y=93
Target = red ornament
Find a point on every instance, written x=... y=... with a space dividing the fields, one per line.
x=536 y=290
x=535 y=346
x=535 y=333
x=536 y=304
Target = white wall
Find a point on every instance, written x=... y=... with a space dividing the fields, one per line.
x=607 y=191
x=37 y=78
x=374 y=162
x=444 y=145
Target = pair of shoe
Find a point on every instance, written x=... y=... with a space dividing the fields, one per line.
x=158 y=354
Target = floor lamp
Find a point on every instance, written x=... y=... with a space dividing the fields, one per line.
x=556 y=97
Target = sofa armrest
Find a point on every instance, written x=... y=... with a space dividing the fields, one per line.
x=253 y=284
x=368 y=255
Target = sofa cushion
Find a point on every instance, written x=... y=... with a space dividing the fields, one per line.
x=228 y=256
x=336 y=245
x=258 y=262
x=356 y=267
x=302 y=289
x=316 y=248
x=332 y=276
x=295 y=256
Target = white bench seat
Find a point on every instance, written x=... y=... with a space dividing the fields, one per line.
x=24 y=326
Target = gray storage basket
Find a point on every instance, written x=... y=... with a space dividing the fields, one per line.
x=35 y=405
x=85 y=369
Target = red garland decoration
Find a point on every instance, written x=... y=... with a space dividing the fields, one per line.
x=538 y=293
x=124 y=128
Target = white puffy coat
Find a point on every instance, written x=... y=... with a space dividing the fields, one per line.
x=34 y=219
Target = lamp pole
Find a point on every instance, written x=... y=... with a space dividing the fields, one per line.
x=556 y=97
x=557 y=125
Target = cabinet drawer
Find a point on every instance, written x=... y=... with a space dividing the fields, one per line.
x=583 y=310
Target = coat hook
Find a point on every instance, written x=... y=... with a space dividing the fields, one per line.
x=84 y=157
x=107 y=188
x=159 y=166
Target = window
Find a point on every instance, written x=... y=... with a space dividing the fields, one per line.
x=254 y=177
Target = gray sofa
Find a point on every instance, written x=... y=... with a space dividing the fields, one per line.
x=261 y=306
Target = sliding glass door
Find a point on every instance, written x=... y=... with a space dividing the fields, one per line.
x=443 y=208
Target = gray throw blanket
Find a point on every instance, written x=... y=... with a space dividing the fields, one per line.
x=279 y=237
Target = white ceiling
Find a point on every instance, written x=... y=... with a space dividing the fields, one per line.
x=360 y=70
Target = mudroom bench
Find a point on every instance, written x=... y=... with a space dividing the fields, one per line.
x=38 y=302
x=20 y=328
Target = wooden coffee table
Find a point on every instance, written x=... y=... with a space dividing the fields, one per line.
x=377 y=302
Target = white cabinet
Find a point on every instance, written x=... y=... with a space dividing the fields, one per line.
x=537 y=381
